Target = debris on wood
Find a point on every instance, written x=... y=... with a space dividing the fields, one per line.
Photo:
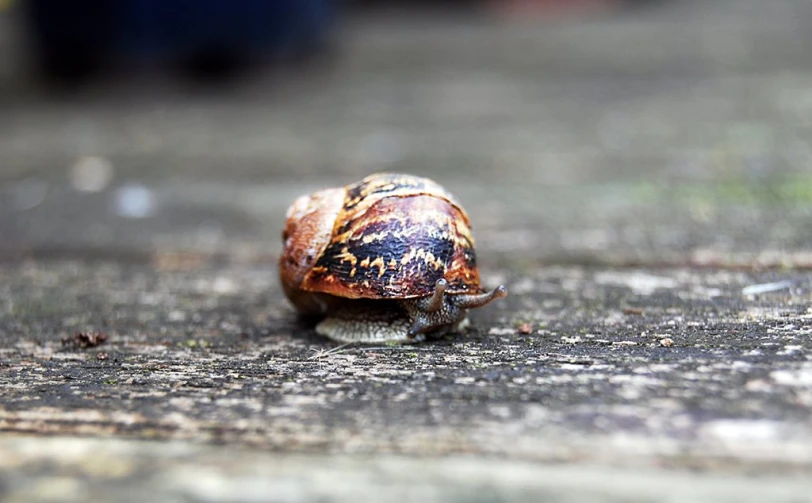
x=85 y=339
x=766 y=287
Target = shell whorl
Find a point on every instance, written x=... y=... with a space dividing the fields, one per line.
x=394 y=237
x=308 y=228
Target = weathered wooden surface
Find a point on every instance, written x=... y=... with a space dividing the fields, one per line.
x=640 y=183
x=624 y=356
x=121 y=470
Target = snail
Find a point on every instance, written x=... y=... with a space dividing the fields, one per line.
x=387 y=259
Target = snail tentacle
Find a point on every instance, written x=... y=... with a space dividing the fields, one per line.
x=435 y=302
x=470 y=301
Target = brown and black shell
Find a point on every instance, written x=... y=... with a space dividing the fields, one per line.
x=394 y=237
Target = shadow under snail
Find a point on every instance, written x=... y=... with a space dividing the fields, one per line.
x=387 y=259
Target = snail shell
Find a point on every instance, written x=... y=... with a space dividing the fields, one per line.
x=389 y=258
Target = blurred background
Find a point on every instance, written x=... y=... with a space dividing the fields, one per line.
x=620 y=131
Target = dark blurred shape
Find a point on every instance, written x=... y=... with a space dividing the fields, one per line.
x=75 y=39
x=524 y=8
x=71 y=39
x=509 y=8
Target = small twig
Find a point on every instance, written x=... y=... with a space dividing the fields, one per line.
x=327 y=352
x=394 y=348
x=344 y=348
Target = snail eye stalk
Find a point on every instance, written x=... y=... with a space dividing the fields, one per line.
x=435 y=302
x=479 y=300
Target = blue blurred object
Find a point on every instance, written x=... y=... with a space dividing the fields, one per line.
x=81 y=35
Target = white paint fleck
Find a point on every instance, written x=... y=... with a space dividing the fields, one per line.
x=736 y=430
x=134 y=201
x=766 y=287
x=708 y=293
x=635 y=380
x=790 y=349
x=91 y=174
x=223 y=285
x=801 y=377
x=758 y=385
x=640 y=283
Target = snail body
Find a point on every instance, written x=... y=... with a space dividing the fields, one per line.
x=387 y=259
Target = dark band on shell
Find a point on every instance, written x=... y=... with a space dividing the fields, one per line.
x=396 y=242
